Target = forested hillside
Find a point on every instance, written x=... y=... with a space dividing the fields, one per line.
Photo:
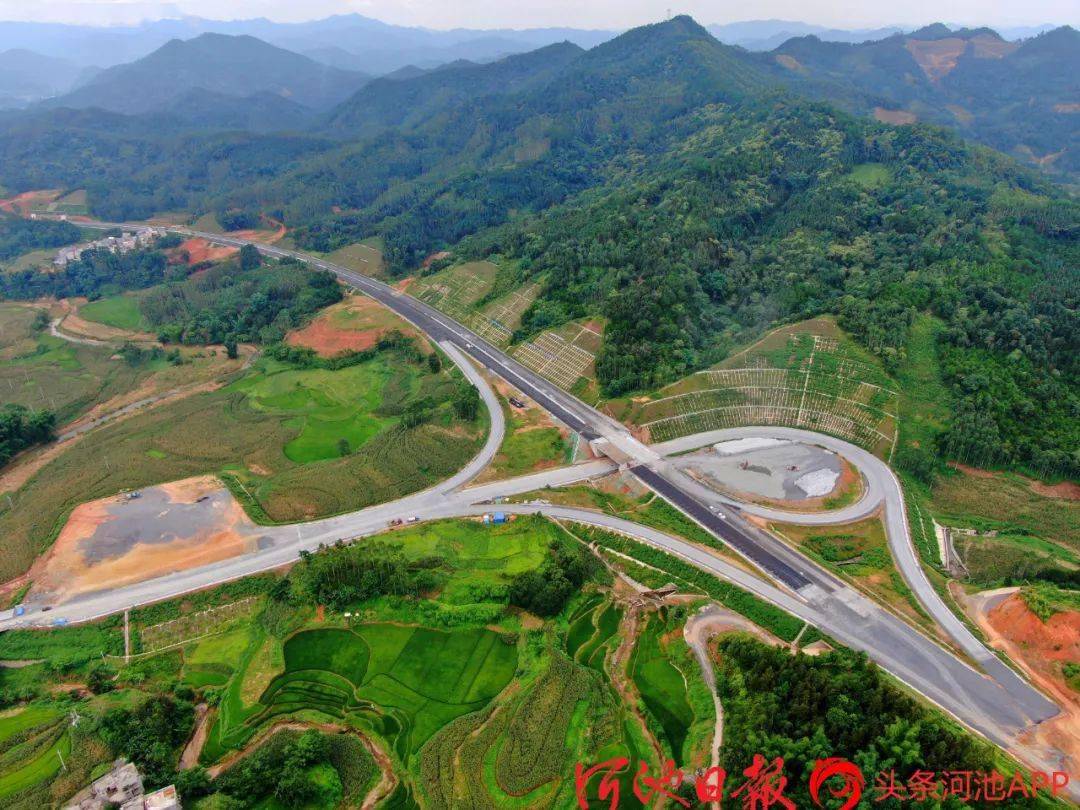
x=668 y=183
x=784 y=211
x=1018 y=97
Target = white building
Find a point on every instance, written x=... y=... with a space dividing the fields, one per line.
x=125 y=243
x=122 y=787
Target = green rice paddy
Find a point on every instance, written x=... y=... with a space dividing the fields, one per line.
x=324 y=406
x=118 y=311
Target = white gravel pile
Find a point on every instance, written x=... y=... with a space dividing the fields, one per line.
x=818 y=482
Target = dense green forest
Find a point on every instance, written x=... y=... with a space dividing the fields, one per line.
x=237 y=301
x=670 y=184
x=766 y=216
x=19 y=236
x=96 y=272
x=1013 y=96
x=804 y=709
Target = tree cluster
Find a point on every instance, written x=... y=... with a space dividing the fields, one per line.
x=21 y=428
x=150 y=734
x=804 y=709
x=19 y=236
x=228 y=303
x=545 y=590
x=342 y=575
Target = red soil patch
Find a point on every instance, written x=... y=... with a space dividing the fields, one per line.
x=199 y=250
x=263 y=236
x=1065 y=490
x=404 y=284
x=894 y=117
x=972 y=471
x=936 y=57
x=327 y=340
x=1040 y=649
x=356 y=324
x=22 y=203
x=1055 y=640
x=434 y=257
x=790 y=62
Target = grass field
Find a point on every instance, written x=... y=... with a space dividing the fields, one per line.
x=532 y=442
x=63 y=647
x=808 y=375
x=119 y=311
x=253 y=433
x=480 y=559
x=325 y=406
x=1005 y=501
x=662 y=686
x=871 y=175
x=364 y=257
x=404 y=682
x=993 y=560
x=30 y=740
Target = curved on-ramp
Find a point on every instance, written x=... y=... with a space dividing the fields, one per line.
x=447 y=500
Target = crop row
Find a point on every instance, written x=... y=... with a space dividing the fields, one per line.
x=535 y=746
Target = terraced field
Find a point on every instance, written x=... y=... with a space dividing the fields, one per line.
x=29 y=741
x=566 y=356
x=521 y=752
x=809 y=375
x=662 y=686
x=591 y=635
x=469 y=293
x=403 y=682
x=457 y=289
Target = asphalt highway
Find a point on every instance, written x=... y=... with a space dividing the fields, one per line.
x=1001 y=707
x=727 y=530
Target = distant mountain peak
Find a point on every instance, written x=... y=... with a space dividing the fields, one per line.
x=241 y=66
x=933 y=31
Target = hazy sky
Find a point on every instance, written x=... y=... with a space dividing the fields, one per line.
x=608 y=14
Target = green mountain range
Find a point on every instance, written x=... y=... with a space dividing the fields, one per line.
x=677 y=187
x=235 y=66
x=1019 y=97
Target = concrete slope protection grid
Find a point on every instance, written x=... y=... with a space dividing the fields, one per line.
x=993 y=715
